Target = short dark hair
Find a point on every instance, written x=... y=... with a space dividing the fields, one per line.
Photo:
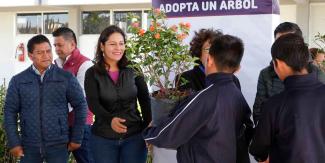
x=200 y=38
x=315 y=51
x=291 y=49
x=66 y=33
x=99 y=58
x=227 y=52
x=38 y=39
x=288 y=27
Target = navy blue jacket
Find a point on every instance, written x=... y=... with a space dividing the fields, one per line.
x=269 y=85
x=292 y=125
x=43 y=108
x=205 y=127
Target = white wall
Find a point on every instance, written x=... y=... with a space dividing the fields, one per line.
x=297 y=13
x=14 y=3
x=288 y=13
x=9 y=40
x=316 y=22
x=302 y=17
x=87 y=45
x=91 y=2
x=7 y=3
x=6 y=45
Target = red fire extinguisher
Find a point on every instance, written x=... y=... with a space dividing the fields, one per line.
x=20 y=52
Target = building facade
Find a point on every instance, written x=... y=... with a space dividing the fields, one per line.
x=20 y=20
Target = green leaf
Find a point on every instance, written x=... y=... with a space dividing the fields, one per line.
x=159 y=58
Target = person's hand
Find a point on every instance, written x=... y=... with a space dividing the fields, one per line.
x=117 y=125
x=17 y=151
x=73 y=146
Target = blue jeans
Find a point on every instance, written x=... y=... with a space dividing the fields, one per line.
x=52 y=154
x=83 y=154
x=129 y=150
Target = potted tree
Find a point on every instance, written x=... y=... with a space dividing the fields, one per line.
x=160 y=54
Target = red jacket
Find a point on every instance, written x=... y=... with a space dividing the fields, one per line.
x=72 y=65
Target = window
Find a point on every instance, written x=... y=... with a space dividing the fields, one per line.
x=53 y=21
x=120 y=19
x=30 y=23
x=37 y=23
x=94 y=22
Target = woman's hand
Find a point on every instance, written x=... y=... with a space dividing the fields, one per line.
x=73 y=146
x=17 y=151
x=117 y=125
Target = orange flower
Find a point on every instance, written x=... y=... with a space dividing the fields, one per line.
x=182 y=24
x=141 y=32
x=181 y=37
x=152 y=28
x=174 y=28
x=188 y=25
x=157 y=36
x=184 y=35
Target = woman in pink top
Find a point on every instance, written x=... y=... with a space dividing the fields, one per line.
x=112 y=91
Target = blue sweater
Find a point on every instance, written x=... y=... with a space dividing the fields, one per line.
x=292 y=124
x=206 y=128
x=41 y=108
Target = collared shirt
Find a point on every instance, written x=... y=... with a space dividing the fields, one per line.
x=60 y=62
x=81 y=72
x=38 y=73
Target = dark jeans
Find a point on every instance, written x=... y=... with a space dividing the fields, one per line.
x=83 y=154
x=129 y=150
x=52 y=154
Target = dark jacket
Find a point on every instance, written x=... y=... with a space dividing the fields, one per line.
x=43 y=108
x=206 y=126
x=196 y=82
x=292 y=124
x=269 y=85
x=107 y=100
x=196 y=79
x=75 y=60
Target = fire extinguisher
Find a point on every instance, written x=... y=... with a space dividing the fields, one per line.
x=20 y=52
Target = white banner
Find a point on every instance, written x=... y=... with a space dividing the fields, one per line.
x=251 y=20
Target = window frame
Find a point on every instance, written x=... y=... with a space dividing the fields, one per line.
x=112 y=16
x=42 y=13
x=53 y=12
x=128 y=10
x=82 y=24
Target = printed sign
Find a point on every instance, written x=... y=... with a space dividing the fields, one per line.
x=251 y=20
x=184 y=8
